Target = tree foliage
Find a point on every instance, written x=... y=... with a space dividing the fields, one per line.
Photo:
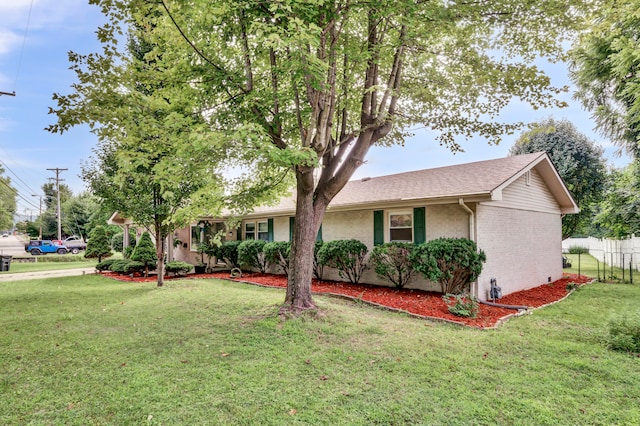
x=308 y=87
x=619 y=213
x=578 y=160
x=604 y=67
x=7 y=202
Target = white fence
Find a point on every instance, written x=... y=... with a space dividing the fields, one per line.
x=620 y=253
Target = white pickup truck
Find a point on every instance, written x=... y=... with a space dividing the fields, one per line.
x=74 y=244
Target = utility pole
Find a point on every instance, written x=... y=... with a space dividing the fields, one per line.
x=57 y=170
x=39 y=215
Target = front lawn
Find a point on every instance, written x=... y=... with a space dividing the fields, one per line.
x=89 y=350
x=50 y=262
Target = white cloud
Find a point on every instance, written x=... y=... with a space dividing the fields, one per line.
x=42 y=15
x=8 y=40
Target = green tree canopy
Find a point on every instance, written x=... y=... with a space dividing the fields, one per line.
x=618 y=215
x=157 y=158
x=579 y=162
x=309 y=87
x=7 y=202
x=604 y=67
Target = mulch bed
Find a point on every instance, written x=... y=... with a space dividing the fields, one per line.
x=416 y=302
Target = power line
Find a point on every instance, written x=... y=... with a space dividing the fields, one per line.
x=18 y=177
x=15 y=191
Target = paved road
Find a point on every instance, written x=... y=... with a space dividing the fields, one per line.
x=12 y=246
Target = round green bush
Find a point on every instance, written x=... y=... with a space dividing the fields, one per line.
x=347 y=256
x=178 y=267
x=391 y=262
x=250 y=255
x=277 y=253
x=454 y=263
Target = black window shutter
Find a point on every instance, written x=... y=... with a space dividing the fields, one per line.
x=378 y=227
x=419 y=226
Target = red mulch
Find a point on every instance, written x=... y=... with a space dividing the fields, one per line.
x=419 y=302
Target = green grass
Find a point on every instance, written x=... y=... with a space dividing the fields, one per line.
x=588 y=265
x=89 y=350
x=52 y=262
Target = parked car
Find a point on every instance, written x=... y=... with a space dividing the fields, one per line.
x=38 y=247
x=5 y=234
x=74 y=244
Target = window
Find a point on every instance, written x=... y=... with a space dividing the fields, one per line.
x=249 y=231
x=256 y=230
x=263 y=231
x=204 y=232
x=401 y=226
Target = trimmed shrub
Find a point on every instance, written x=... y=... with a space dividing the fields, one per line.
x=228 y=252
x=178 y=268
x=250 y=255
x=98 y=245
x=277 y=253
x=578 y=250
x=347 y=256
x=454 y=263
x=318 y=268
x=105 y=265
x=145 y=253
x=624 y=333
x=391 y=262
x=126 y=266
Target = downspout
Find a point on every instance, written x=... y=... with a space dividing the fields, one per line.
x=472 y=219
x=472 y=235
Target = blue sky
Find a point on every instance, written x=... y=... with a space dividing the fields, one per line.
x=36 y=66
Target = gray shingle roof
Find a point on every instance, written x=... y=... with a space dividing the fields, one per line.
x=463 y=180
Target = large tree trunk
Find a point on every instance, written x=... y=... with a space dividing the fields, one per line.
x=311 y=204
x=308 y=219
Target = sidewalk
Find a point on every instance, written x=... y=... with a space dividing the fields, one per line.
x=46 y=274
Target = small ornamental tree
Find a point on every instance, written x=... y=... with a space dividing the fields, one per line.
x=98 y=245
x=391 y=262
x=347 y=256
x=250 y=254
x=145 y=253
x=452 y=262
x=277 y=253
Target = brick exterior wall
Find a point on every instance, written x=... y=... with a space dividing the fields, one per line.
x=448 y=221
x=523 y=248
